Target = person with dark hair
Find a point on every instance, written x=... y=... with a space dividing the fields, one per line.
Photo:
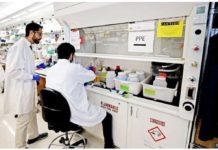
x=20 y=85
x=68 y=78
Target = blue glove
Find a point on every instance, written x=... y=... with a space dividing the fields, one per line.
x=90 y=68
x=36 y=77
x=41 y=66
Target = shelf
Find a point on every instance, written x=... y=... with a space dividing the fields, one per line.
x=7 y=42
x=133 y=58
x=143 y=102
x=42 y=72
x=4 y=35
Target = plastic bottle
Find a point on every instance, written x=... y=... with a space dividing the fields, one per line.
x=117 y=70
x=108 y=68
x=103 y=75
x=98 y=75
x=110 y=79
x=133 y=77
x=54 y=58
x=160 y=81
x=141 y=75
x=122 y=76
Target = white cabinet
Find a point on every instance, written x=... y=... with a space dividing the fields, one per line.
x=149 y=128
x=119 y=110
x=80 y=15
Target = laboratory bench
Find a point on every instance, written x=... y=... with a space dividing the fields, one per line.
x=42 y=81
x=137 y=122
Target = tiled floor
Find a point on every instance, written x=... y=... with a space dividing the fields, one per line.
x=7 y=132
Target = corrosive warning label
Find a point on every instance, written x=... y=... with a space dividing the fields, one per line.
x=156 y=134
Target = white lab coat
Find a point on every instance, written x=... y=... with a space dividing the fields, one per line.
x=2 y=78
x=69 y=78
x=19 y=86
x=2 y=74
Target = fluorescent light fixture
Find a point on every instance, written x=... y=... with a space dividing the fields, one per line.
x=19 y=14
x=39 y=6
x=5 y=20
x=13 y=7
x=18 y=19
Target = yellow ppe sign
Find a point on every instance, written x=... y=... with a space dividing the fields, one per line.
x=170 y=28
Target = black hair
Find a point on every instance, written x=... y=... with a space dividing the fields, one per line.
x=64 y=50
x=32 y=27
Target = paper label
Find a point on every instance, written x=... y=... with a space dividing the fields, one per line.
x=139 y=26
x=141 y=41
x=124 y=87
x=149 y=92
x=170 y=28
x=75 y=39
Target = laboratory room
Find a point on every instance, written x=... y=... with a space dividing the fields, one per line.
x=108 y=74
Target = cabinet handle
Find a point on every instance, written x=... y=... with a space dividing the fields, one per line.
x=131 y=111
x=136 y=114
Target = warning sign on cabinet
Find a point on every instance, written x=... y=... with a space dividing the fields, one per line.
x=156 y=134
x=169 y=29
x=110 y=107
x=162 y=123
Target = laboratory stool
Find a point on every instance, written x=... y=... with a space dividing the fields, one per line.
x=56 y=112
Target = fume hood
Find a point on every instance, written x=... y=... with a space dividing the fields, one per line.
x=142 y=121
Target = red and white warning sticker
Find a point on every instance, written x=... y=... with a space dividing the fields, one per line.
x=156 y=134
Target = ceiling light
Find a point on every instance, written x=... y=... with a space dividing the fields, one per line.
x=13 y=7
x=19 y=14
x=5 y=20
x=39 y=6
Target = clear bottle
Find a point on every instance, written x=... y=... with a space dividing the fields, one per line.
x=110 y=79
x=160 y=81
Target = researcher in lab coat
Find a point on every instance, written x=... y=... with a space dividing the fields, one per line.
x=20 y=85
x=68 y=78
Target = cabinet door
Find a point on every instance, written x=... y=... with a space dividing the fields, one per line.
x=118 y=109
x=150 y=128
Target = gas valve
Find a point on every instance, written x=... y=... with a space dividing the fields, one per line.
x=188 y=106
x=196 y=48
x=192 y=79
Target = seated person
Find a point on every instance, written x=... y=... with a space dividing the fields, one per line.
x=68 y=78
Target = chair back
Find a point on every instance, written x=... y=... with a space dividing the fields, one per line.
x=55 y=108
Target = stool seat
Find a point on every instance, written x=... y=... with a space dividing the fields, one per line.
x=64 y=127
x=56 y=112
